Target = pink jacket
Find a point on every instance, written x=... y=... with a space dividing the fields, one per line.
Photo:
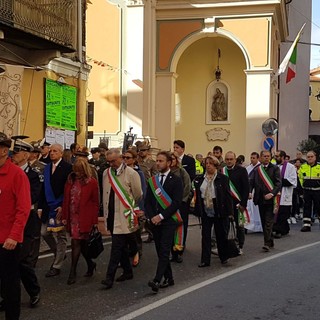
x=89 y=205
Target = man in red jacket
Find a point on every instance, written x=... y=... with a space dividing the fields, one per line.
x=15 y=208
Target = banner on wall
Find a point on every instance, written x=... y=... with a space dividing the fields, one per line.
x=60 y=105
x=63 y=137
x=10 y=98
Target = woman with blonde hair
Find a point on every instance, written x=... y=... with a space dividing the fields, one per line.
x=80 y=212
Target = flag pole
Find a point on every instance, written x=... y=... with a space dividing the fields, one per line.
x=284 y=64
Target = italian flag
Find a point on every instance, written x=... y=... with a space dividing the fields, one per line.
x=290 y=59
x=291 y=73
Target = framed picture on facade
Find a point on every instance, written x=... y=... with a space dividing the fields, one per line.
x=217 y=107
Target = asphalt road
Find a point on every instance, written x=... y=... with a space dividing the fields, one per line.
x=251 y=286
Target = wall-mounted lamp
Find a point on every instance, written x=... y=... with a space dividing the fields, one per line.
x=61 y=80
x=218 y=71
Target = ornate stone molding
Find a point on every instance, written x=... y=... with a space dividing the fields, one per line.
x=218 y=134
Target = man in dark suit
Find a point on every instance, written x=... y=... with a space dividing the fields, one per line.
x=21 y=153
x=187 y=162
x=265 y=194
x=50 y=207
x=240 y=192
x=162 y=219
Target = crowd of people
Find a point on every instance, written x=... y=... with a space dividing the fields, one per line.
x=49 y=192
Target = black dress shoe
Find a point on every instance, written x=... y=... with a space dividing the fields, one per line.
x=154 y=285
x=176 y=258
x=52 y=272
x=203 y=265
x=91 y=269
x=34 y=300
x=124 y=277
x=166 y=283
x=107 y=283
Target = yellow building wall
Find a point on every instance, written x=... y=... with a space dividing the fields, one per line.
x=314 y=104
x=257 y=42
x=32 y=121
x=103 y=46
x=195 y=72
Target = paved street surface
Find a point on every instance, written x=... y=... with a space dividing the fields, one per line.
x=251 y=286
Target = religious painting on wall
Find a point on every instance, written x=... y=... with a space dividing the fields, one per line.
x=217 y=109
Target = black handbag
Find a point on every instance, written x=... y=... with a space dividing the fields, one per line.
x=233 y=250
x=95 y=243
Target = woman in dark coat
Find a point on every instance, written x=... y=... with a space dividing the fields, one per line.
x=80 y=212
x=214 y=206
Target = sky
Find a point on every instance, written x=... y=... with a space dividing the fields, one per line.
x=315 y=34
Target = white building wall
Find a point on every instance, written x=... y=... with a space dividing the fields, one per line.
x=293 y=114
x=133 y=61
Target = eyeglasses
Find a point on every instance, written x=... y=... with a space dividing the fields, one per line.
x=126 y=158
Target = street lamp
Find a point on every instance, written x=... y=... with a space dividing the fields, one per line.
x=218 y=71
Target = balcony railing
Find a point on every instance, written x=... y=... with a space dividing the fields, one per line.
x=53 y=20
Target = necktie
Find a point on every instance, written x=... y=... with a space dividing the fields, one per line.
x=53 y=168
x=162 y=179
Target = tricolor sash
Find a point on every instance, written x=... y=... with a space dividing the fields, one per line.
x=131 y=212
x=269 y=185
x=243 y=217
x=164 y=200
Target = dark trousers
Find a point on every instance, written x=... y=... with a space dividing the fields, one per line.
x=184 y=211
x=27 y=271
x=36 y=240
x=297 y=202
x=281 y=225
x=221 y=228
x=10 y=281
x=119 y=254
x=163 y=235
x=311 y=206
x=267 y=220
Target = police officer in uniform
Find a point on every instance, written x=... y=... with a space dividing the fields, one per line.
x=34 y=161
x=30 y=249
x=45 y=152
x=37 y=166
x=309 y=176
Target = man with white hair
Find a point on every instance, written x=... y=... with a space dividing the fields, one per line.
x=50 y=207
x=121 y=194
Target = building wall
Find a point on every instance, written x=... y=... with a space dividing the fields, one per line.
x=294 y=97
x=249 y=34
x=195 y=72
x=314 y=103
x=32 y=117
x=104 y=55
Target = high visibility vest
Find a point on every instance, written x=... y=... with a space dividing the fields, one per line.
x=199 y=167
x=309 y=176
